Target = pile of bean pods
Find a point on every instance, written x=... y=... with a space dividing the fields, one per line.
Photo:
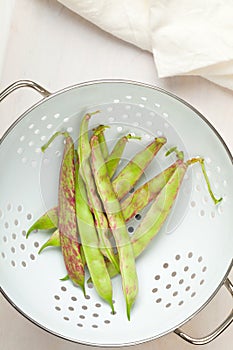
x=94 y=204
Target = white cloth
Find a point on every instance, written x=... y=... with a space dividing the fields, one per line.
x=192 y=37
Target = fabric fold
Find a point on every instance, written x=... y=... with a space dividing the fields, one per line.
x=186 y=37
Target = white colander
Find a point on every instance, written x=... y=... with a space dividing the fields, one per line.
x=184 y=266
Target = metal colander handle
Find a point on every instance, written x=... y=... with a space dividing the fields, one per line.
x=21 y=84
x=213 y=335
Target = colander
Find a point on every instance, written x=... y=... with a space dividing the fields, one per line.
x=186 y=263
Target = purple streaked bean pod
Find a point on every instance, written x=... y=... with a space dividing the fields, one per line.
x=67 y=223
x=114 y=157
x=132 y=172
x=84 y=152
x=90 y=244
x=117 y=224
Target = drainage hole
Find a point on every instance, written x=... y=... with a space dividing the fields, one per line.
x=9 y=207
x=29 y=216
x=138 y=217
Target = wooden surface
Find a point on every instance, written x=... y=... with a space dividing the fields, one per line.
x=56 y=48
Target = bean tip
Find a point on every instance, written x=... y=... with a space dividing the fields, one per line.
x=161 y=140
x=128 y=311
x=66 y=278
x=112 y=307
x=216 y=201
x=133 y=137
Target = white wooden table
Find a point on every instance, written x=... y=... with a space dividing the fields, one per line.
x=56 y=48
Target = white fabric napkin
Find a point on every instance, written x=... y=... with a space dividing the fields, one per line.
x=192 y=37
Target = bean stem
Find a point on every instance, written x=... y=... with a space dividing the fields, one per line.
x=202 y=163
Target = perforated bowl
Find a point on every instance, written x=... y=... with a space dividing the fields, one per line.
x=184 y=266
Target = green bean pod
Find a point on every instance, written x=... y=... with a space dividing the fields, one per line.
x=132 y=172
x=102 y=141
x=117 y=224
x=67 y=224
x=156 y=215
x=90 y=245
x=139 y=199
x=47 y=221
x=114 y=157
x=53 y=241
x=84 y=152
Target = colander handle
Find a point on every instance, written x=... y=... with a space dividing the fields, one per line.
x=216 y=332
x=21 y=84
